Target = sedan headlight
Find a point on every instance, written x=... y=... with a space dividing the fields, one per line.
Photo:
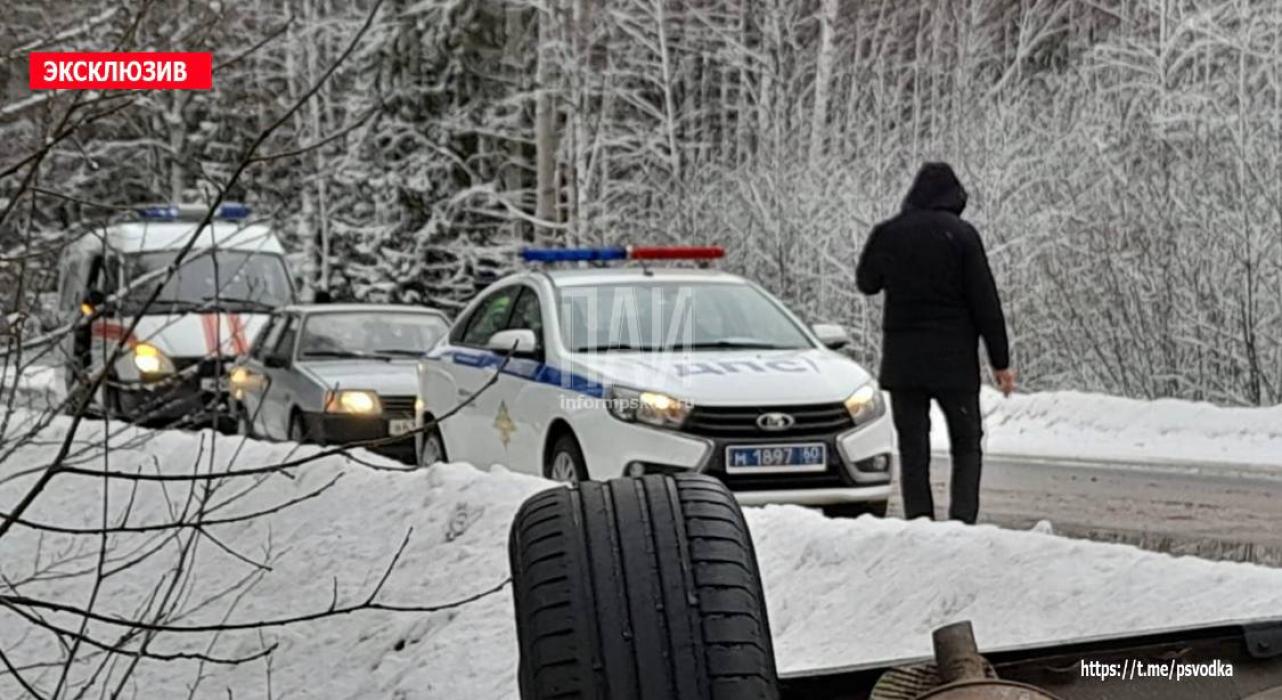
x=866 y=403
x=649 y=407
x=148 y=359
x=359 y=402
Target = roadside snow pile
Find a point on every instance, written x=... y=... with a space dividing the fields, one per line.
x=1077 y=425
x=840 y=592
x=846 y=592
x=37 y=386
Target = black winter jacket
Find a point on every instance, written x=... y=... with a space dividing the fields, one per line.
x=940 y=293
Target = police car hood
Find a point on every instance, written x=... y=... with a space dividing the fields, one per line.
x=728 y=378
x=189 y=335
x=388 y=378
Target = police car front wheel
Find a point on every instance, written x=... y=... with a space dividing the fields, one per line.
x=565 y=461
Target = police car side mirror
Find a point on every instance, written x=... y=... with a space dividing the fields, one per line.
x=831 y=335
x=92 y=301
x=521 y=342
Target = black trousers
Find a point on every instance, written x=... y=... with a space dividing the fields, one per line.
x=911 y=411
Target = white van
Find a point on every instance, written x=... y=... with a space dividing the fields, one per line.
x=205 y=315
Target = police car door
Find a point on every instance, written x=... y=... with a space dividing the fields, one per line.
x=474 y=434
x=525 y=401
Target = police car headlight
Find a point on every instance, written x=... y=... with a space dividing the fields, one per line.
x=150 y=360
x=353 y=401
x=649 y=407
x=866 y=403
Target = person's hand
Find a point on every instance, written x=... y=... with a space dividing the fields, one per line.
x=1005 y=379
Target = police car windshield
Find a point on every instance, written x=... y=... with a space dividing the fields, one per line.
x=375 y=335
x=228 y=279
x=674 y=317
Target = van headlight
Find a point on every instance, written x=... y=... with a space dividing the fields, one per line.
x=866 y=403
x=359 y=402
x=649 y=407
x=148 y=359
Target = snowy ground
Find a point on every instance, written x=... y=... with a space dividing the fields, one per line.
x=839 y=592
x=1072 y=425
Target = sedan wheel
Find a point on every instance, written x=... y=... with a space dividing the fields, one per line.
x=243 y=427
x=431 y=449
x=297 y=432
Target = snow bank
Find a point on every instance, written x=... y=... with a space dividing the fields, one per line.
x=37 y=386
x=1078 y=425
x=840 y=592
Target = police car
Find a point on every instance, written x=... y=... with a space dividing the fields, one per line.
x=602 y=371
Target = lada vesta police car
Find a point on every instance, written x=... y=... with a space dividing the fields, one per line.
x=600 y=371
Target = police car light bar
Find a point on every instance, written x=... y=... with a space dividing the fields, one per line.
x=227 y=211
x=676 y=252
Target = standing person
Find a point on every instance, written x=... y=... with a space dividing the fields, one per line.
x=940 y=300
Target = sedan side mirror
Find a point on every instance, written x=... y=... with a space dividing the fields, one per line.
x=521 y=342
x=832 y=335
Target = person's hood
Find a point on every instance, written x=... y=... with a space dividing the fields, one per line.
x=936 y=187
x=387 y=377
x=756 y=377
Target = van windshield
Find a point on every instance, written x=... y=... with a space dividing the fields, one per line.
x=238 y=280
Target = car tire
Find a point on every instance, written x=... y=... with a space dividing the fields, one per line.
x=854 y=510
x=428 y=438
x=298 y=428
x=639 y=589
x=565 y=462
x=244 y=427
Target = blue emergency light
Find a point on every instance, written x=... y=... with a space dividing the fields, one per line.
x=675 y=252
x=227 y=211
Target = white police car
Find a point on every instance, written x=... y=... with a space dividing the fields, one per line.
x=639 y=370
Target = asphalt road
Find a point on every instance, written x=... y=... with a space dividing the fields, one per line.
x=1189 y=510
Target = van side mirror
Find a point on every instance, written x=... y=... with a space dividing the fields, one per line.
x=276 y=361
x=832 y=335
x=521 y=342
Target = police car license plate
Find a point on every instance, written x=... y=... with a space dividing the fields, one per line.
x=399 y=426
x=791 y=457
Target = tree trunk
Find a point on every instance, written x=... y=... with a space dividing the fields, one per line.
x=823 y=79
x=545 y=124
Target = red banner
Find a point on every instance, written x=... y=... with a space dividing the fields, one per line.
x=139 y=70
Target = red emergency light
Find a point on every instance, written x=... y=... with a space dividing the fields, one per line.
x=676 y=252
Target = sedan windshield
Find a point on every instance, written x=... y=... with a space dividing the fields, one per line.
x=340 y=335
x=681 y=317
x=227 y=279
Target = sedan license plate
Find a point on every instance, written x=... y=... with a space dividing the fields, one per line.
x=399 y=426
x=214 y=384
x=764 y=459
